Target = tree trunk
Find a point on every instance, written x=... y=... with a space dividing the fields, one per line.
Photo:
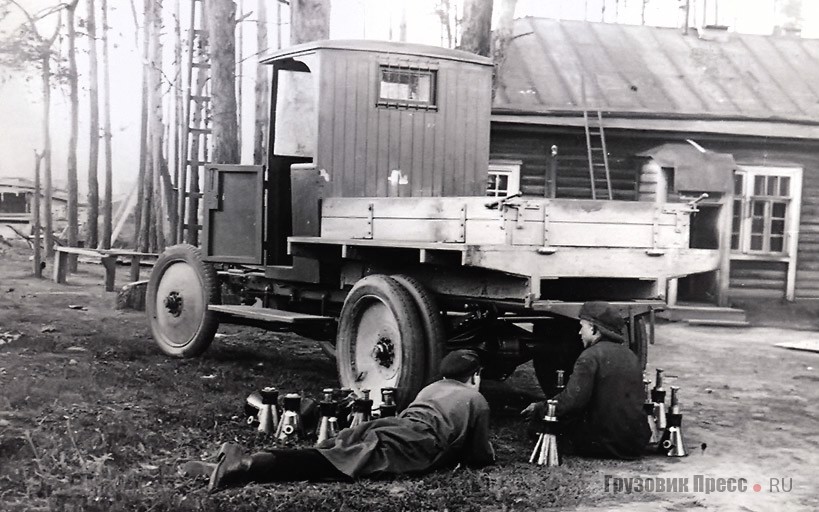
x=502 y=36
x=221 y=23
x=178 y=133
x=262 y=89
x=155 y=124
x=38 y=257
x=49 y=226
x=73 y=213
x=309 y=20
x=402 y=23
x=146 y=189
x=107 y=220
x=477 y=27
x=92 y=220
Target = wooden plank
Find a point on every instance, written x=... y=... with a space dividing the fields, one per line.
x=589 y=262
x=342 y=110
x=409 y=208
x=344 y=228
x=269 y=315
x=393 y=148
x=450 y=105
x=738 y=293
x=469 y=131
x=351 y=119
x=599 y=235
x=757 y=284
x=405 y=142
x=78 y=250
x=432 y=230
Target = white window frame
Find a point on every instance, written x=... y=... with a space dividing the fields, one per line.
x=792 y=219
x=510 y=168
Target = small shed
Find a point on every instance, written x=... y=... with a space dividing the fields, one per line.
x=678 y=110
x=17 y=206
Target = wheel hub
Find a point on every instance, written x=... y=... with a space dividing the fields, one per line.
x=173 y=303
x=384 y=352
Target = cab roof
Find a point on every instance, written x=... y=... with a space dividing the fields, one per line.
x=390 y=47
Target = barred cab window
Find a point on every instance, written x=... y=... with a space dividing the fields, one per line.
x=405 y=87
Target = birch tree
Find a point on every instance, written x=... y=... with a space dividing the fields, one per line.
x=221 y=16
x=42 y=53
x=92 y=219
x=309 y=20
x=73 y=92
x=262 y=87
x=476 y=26
x=107 y=220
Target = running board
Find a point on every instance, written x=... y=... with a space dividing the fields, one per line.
x=240 y=314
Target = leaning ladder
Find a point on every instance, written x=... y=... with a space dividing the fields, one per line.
x=595 y=148
x=196 y=125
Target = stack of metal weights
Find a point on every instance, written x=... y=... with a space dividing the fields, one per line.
x=328 y=423
x=362 y=409
x=388 y=406
x=667 y=428
x=290 y=426
x=648 y=409
x=545 y=452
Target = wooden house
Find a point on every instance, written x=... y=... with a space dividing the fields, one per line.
x=17 y=204
x=731 y=115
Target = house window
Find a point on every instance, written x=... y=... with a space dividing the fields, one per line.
x=766 y=211
x=406 y=87
x=504 y=178
x=13 y=202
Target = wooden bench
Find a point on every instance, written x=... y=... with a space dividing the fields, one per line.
x=108 y=258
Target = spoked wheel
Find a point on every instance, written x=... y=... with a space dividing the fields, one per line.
x=433 y=324
x=381 y=340
x=180 y=289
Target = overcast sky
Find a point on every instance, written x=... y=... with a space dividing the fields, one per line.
x=21 y=111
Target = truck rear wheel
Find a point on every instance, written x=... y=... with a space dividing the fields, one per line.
x=380 y=340
x=180 y=289
x=434 y=332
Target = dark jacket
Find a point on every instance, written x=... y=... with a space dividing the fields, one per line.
x=604 y=401
x=447 y=423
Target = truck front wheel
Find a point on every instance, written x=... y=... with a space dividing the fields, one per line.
x=180 y=289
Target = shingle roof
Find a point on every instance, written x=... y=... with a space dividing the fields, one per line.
x=651 y=72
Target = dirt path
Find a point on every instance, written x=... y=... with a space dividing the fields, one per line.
x=756 y=408
x=110 y=418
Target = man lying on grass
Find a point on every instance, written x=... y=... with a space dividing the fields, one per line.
x=446 y=424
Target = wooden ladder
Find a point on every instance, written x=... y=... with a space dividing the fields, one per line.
x=196 y=125
x=596 y=150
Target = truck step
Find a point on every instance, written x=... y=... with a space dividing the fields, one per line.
x=679 y=313
x=717 y=323
x=278 y=316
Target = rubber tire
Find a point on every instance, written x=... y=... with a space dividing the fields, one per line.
x=560 y=351
x=435 y=333
x=640 y=345
x=413 y=351
x=208 y=321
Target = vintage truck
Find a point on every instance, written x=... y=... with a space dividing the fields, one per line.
x=370 y=230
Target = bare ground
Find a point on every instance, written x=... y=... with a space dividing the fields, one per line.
x=94 y=417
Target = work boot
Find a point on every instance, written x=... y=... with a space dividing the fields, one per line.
x=231 y=468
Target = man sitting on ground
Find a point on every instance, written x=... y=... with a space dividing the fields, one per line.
x=600 y=412
x=446 y=424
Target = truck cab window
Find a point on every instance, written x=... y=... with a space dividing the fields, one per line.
x=296 y=110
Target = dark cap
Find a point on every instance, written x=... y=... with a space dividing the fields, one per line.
x=460 y=364
x=605 y=317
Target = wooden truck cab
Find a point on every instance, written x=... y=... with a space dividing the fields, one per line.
x=369 y=228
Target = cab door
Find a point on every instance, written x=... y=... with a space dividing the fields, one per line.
x=234 y=214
